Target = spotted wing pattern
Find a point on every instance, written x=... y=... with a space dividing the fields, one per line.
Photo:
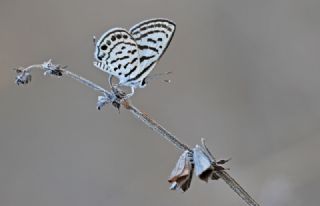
x=117 y=54
x=152 y=37
x=130 y=56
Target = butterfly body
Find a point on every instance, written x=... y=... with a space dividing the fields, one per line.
x=131 y=55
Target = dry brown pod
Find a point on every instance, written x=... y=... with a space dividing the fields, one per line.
x=181 y=175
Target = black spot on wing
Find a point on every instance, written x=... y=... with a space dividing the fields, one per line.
x=143 y=58
x=113 y=32
x=153 y=23
x=141 y=47
x=130 y=72
x=126 y=43
x=133 y=60
x=120 y=58
x=151 y=40
x=151 y=32
x=132 y=51
x=104 y=47
x=142 y=72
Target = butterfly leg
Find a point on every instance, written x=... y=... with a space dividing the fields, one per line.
x=115 y=86
x=129 y=95
x=132 y=92
x=110 y=80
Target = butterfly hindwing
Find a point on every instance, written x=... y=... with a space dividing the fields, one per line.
x=152 y=37
x=117 y=53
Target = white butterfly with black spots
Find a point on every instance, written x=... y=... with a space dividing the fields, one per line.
x=131 y=55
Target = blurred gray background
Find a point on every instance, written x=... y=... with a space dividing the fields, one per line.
x=245 y=77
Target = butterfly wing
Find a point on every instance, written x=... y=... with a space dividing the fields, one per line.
x=117 y=54
x=152 y=37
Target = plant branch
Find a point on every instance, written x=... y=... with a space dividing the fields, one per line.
x=111 y=97
x=155 y=126
x=236 y=187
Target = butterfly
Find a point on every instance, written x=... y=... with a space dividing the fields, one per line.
x=131 y=55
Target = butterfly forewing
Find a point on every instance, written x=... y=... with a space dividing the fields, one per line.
x=152 y=37
x=117 y=53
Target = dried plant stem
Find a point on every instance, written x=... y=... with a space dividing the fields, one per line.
x=155 y=126
x=86 y=82
x=234 y=185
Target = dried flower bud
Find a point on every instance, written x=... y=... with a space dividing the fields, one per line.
x=23 y=77
x=113 y=98
x=202 y=163
x=102 y=101
x=205 y=164
x=53 y=69
x=181 y=175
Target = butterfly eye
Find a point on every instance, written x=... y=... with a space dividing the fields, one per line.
x=104 y=47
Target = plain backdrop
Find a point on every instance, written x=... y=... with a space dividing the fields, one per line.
x=245 y=77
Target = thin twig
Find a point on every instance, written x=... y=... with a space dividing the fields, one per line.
x=146 y=119
x=236 y=187
x=155 y=126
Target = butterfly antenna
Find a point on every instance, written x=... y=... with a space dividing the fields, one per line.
x=94 y=40
x=158 y=75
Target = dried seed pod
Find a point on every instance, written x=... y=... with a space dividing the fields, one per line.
x=23 y=77
x=181 y=175
x=102 y=101
x=53 y=69
x=206 y=166
x=115 y=99
x=202 y=163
